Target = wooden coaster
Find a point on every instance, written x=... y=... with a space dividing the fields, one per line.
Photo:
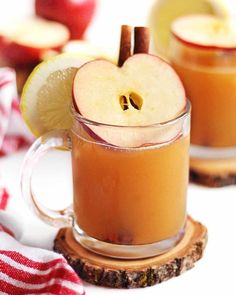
x=213 y=173
x=117 y=273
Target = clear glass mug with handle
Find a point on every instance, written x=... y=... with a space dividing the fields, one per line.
x=208 y=73
x=129 y=184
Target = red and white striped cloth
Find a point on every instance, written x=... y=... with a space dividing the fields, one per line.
x=4 y=196
x=23 y=269
x=13 y=132
x=27 y=270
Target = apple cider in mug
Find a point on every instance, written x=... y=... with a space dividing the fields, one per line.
x=203 y=52
x=130 y=173
x=128 y=136
x=130 y=196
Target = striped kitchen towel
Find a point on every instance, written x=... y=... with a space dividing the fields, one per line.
x=28 y=270
x=13 y=132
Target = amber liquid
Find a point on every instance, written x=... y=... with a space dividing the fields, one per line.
x=130 y=196
x=209 y=78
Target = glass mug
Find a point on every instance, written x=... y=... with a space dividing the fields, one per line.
x=129 y=202
x=208 y=75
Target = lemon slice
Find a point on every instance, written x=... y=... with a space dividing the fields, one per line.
x=47 y=94
x=165 y=11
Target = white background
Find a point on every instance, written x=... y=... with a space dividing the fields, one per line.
x=216 y=208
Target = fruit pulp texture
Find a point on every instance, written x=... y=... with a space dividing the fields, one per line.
x=130 y=196
x=209 y=78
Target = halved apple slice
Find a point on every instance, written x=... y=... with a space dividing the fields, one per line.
x=144 y=91
x=164 y=12
x=25 y=41
x=206 y=31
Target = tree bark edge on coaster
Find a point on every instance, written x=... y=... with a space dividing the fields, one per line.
x=117 y=273
x=213 y=173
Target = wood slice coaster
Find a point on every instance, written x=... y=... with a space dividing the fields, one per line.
x=118 y=273
x=213 y=173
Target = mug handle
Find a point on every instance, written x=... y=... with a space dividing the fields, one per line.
x=56 y=139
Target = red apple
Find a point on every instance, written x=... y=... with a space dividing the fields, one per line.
x=25 y=42
x=205 y=31
x=144 y=91
x=75 y=14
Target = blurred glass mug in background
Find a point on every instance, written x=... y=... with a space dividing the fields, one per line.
x=203 y=52
x=128 y=202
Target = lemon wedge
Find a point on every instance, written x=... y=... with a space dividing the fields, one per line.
x=47 y=94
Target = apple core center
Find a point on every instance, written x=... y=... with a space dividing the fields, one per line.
x=131 y=100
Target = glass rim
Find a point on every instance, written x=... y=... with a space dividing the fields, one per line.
x=80 y=118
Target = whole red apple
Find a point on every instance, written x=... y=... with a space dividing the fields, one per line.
x=75 y=14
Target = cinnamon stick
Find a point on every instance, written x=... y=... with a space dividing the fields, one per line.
x=141 y=40
x=125 y=44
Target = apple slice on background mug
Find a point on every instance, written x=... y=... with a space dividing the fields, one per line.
x=205 y=31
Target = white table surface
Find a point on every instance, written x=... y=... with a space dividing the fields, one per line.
x=216 y=208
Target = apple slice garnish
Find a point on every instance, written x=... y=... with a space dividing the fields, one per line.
x=25 y=41
x=205 y=31
x=144 y=91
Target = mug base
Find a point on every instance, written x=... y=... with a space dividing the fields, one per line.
x=126 y=251
x=213 y=167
